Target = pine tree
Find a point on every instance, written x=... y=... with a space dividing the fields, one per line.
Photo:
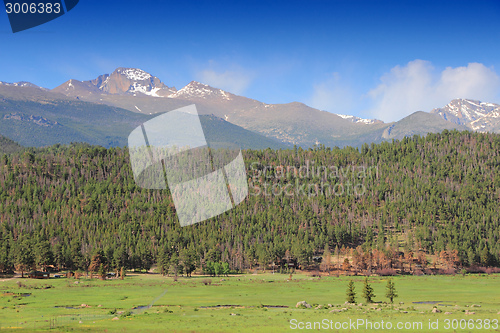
x=391 y=291
x=368 y=293
x=351 y=293
x=101 y=272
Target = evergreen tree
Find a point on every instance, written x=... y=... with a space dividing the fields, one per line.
x=187 y=260
x=101 y=272
x=225 y=268
x=23 y=258
x=390 y=291
x=61 y=204
x=351 y=293
x=368 y=293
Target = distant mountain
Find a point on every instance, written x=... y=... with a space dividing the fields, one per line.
x=197 y=90
x=292 y=123
x=20 y=84
x=419 y=123
x=359 y=120
x=54 y=118
x=123 y=81
x=476 y=115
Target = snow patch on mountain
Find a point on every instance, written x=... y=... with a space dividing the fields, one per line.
x=465 y=111
x=21 y=84
x=358 y=120
x=134 y=74
x=479 y=116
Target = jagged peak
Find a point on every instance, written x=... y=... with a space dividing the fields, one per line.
x=134 y=74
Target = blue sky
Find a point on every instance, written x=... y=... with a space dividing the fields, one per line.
x=382 y=59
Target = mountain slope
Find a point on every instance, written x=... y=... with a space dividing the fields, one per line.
x=293 y=123
x=53 y=118
x=419 y=123
x=219 y=133
x=58 y=121
x=8 y=146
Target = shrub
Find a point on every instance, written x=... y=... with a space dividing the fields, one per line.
x=126 y=314
x=492 y=270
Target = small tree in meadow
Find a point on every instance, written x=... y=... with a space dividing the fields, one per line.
x=368 y=293
x=391 y=291
x=351 y=293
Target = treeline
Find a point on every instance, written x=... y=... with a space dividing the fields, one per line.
x=61 y=205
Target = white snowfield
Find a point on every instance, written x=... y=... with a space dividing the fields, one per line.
x=135 y=74
x=355 y=119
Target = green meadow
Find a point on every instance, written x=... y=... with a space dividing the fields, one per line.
x=247 y=303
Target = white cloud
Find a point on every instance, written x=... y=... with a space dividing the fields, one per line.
x=332 y=95
x=419 y=87
x=234 y=80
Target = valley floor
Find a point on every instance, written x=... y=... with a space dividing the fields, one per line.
x=249 y=303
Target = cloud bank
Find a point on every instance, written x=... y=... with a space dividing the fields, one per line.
x=419 y=87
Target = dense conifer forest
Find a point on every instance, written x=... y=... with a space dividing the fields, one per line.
x=68 y=207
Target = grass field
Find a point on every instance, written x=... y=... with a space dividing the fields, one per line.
x=244 y=303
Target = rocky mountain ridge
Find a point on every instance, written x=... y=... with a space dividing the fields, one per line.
x=291 y=123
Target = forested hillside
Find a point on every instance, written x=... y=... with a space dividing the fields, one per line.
x=8 y=146
x=61 y=205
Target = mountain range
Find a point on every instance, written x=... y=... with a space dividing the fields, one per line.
x=105 y=109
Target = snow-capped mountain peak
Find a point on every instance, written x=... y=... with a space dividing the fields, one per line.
x=200 y=90
x=20 y=84
x=479 y=116
x=130 y=81
x=464 y=111
x=134 y=74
